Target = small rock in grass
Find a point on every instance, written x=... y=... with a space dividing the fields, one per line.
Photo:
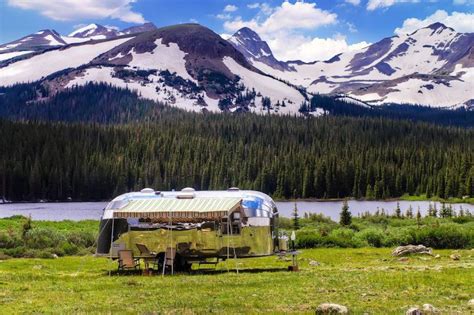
x=331 y=308
x=314 y=263
x=471 y=303
x=429 y=309
x=437 y=256
x=412 y=249
x=54 y=256
x=413 y=311
x=455 y=256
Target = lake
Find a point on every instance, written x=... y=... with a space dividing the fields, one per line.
x=58 y=211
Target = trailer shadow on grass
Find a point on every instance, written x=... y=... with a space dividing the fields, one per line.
x=202 y=271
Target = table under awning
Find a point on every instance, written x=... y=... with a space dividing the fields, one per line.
x=179 y=209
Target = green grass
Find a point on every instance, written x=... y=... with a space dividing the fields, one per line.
x=423 y=197
x=15 y=222
x=365 y=280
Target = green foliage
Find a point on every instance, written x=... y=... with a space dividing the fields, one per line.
x=44 y=238
x=372 y=237
x=443 y=236
x=296 y=218
x=41 y=238
x=345 y=216
x=165 y=148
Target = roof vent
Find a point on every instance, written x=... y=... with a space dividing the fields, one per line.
x=188 y=189
x=233 y=189
x=147 y=191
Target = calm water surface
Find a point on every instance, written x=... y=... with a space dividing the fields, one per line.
x=58 y=211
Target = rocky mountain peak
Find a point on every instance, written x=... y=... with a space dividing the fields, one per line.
x=249 y=43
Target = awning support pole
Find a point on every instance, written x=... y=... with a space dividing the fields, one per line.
x=111 y=242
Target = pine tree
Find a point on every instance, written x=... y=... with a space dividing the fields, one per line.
x=296 y=218
x=418 y=217
x=345 y=215
x=398 y=211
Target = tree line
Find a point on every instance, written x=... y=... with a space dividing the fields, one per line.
x=286 y=157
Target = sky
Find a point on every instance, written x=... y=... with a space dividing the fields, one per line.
x=306 y=30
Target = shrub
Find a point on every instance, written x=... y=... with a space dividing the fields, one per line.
x=373 y=237
x=9 y=240
x=4 y=256
x=40 y=238
x=309 y=239
x=343 y=237
x=396 y=237
x=81 y=239
x=443 y=236
x=69 y=249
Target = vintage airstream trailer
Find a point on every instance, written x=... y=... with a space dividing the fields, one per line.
x=199 y=225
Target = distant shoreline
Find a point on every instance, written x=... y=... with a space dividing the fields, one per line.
x=403 y=198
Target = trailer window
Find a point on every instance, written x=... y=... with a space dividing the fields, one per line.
x=233 y=226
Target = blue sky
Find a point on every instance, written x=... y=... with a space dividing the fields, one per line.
x=310 y=30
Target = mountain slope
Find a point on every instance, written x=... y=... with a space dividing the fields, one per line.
x=94 y=31
x=432 y=66
x=255 y=49
x=40 y=40
x=188 y=66
x=191 y=67
x=146 y=27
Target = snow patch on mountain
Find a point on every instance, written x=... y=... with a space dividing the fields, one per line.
x=42 y=65
x=155 y=89
x=14 y=54
x=163 y=57
x=267 y=86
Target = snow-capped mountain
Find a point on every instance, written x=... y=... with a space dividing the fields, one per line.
x=432 y=66
x=43 y=39
x=94 y=31
x=255 y=49
x=188 y=66
x=146 y=27
x=191 y=67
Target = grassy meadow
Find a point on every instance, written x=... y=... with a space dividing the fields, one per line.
x=365 y=279
x=345 y=264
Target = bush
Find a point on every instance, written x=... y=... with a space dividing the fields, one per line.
x=396 y=237
x=343 y=237
x=372 y=236
x=16 y=252
x=41 y=238
x=69 y=249
x=9 y=240
x=443 y=236
x=309 y=239
x=81 y=239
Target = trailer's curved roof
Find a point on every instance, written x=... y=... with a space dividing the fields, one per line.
x=147 y=201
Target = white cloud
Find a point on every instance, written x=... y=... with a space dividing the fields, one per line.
x=224 y=16
x=353 y=2
x=68 y=10
x=311 y=49
x=264 y=7
x=461 y=22
x=352 y=27
x=283 y=29
x=230 y=8
x=378 y=4
x=289 y=16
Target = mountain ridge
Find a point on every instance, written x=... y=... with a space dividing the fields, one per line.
x=192 y=67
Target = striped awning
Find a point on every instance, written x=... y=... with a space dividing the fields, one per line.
x=185 y=209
